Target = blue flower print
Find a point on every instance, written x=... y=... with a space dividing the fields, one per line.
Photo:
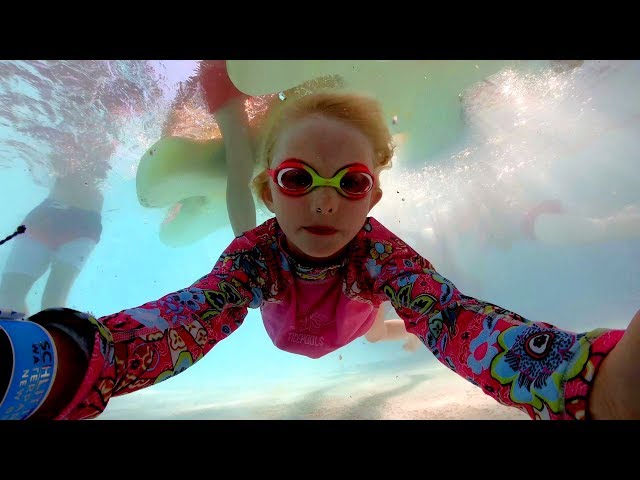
x=191 y=298
x=483 y=348
x=407 y=279
x=148 y=317
x=373 y=268
x=533 y=361
x=257 y=298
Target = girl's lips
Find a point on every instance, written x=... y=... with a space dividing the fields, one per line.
x=319 y=230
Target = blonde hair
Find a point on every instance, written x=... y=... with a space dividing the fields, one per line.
x=360 y=111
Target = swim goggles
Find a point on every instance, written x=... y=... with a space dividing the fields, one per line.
x=296 y=178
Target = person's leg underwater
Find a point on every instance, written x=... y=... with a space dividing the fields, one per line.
x=392 y=329
x=66 y=266
x=28 y=261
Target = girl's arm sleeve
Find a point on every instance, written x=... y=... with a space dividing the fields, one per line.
x=142 y=346
x=537 y=367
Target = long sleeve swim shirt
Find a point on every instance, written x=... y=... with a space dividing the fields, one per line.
x=313 y=310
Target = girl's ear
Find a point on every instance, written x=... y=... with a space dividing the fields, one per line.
x=375 y=197
x=267 y=197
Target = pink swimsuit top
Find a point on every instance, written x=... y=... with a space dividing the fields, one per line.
x=315 y=318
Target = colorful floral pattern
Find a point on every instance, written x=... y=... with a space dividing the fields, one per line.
x=533 y=366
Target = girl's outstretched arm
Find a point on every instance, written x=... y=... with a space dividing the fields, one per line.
x=99 y=358
x=536 y=367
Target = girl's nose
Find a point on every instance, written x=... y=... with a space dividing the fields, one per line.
x=324 y=200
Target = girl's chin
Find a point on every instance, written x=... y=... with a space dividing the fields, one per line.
x=312 y=254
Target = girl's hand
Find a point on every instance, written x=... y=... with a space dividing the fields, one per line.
x=616 y=387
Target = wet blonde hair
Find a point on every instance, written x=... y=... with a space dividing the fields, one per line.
x=361 y=112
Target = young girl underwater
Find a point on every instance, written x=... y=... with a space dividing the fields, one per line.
x=319 y=271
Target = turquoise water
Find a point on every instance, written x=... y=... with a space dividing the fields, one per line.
x=570 y=135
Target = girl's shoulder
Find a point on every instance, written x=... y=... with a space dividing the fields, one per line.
x=373 y=230
x=263 y=239
x=263 y=231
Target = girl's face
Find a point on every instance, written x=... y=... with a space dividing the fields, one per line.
x=321 y=223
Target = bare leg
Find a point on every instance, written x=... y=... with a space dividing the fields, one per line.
x=14 y=289
x=27 y=262
x=378 y=330
x=68 y=262
x=394 y=329
x=59 y=284
x=233 y=123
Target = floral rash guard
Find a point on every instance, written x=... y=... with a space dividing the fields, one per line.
x=534 y=366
